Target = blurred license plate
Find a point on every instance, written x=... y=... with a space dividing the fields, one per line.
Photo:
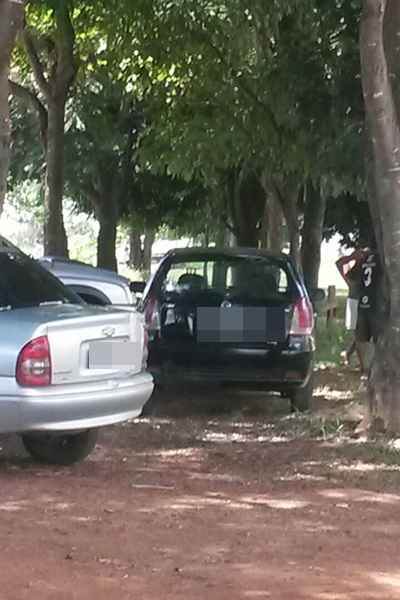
x=238 y=324
x=112 y=354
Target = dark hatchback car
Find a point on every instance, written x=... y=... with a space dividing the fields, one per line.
x=234 y=316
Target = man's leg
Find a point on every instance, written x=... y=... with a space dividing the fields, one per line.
x=351 y=324
x=350 y=350
x=363 y=337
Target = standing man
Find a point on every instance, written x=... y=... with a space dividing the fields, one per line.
x=350 y=269
x=369 y=320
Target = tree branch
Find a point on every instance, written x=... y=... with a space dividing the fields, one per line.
x=241 y=84
x=91 y=193
x=11 y=16
x=28 y=96
x=35 y=62
x=66 y=64
x=128 y=151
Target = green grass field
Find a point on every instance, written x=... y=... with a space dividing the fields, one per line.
x=332 y=338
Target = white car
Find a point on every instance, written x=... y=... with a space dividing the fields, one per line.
x=66 y=368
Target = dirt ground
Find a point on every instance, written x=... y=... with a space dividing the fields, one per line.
x=217 y=495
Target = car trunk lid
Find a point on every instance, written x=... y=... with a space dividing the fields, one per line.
x=86 y=343
x=95 y=346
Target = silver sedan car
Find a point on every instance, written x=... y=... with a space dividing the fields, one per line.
x=93 y=285
x=66 y=368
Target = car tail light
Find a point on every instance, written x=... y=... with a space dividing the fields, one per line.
x=303 y=318
x=34 y=363
x=145 y=354
x=152 y=315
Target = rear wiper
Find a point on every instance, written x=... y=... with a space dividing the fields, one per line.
x=5 y=308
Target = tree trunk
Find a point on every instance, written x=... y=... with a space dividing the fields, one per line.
x=384 y=130
x=392 y=47
x=247 y=232
x=54 y=79
x=248 y=209
x=135 y=249
x=147 y=249
x=288 y=198
x=220 y=235
x=263 y=239
x=275 y=226
x=4 y=134
x=294 y=245
x=312 y=232
x=106 y=242
x=273 y=230
x=55 y=238
x=11 y=15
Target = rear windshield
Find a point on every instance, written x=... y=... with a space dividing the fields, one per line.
x=24 y=283
x=254 y=279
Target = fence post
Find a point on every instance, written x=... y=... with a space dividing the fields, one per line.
x=331 y=304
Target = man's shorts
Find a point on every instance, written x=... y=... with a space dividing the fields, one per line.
x=351 y=314
x=368 y=326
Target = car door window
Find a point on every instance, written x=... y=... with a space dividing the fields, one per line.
x=24 y=283
x=260 y=279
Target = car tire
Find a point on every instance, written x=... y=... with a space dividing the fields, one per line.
x=60 y=449
x=300 y=399
x=149 y=409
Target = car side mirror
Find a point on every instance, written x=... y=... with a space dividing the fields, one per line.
x=137 y=287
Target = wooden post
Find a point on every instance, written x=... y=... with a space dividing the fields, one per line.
x=331 y=304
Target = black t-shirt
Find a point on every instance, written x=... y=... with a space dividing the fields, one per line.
x=371 y=282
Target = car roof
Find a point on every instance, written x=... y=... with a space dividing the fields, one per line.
x=6 y=245
x=225 y=251
x=63 y=267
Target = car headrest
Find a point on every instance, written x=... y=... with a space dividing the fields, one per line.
x=191 y=281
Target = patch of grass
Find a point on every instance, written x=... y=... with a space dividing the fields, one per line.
x=303 y=426
x=379 y=450
x=331 y=340
x=327 y=427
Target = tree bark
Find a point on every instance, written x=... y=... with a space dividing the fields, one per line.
x=147 y=251
x=263 y=239
x=247 y=207
x=392 y=47
x=288 y=197
x=108 y=220
x=135 y=249
x=272 y=231
x=384 y=130
x=29 y=97
x=140 y=258
x=55 y=237
x=294 y=244
x=4 y=134
x=314 y=215
x=54 y=82
x=275 y=226
x=11 y=14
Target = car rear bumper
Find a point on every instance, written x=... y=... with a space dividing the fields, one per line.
x=294 y=372
x=75 y=407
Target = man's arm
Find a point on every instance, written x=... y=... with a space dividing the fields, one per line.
x=346 y=264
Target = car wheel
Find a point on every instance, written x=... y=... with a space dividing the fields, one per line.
x=60 y=449
x=300 y=399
